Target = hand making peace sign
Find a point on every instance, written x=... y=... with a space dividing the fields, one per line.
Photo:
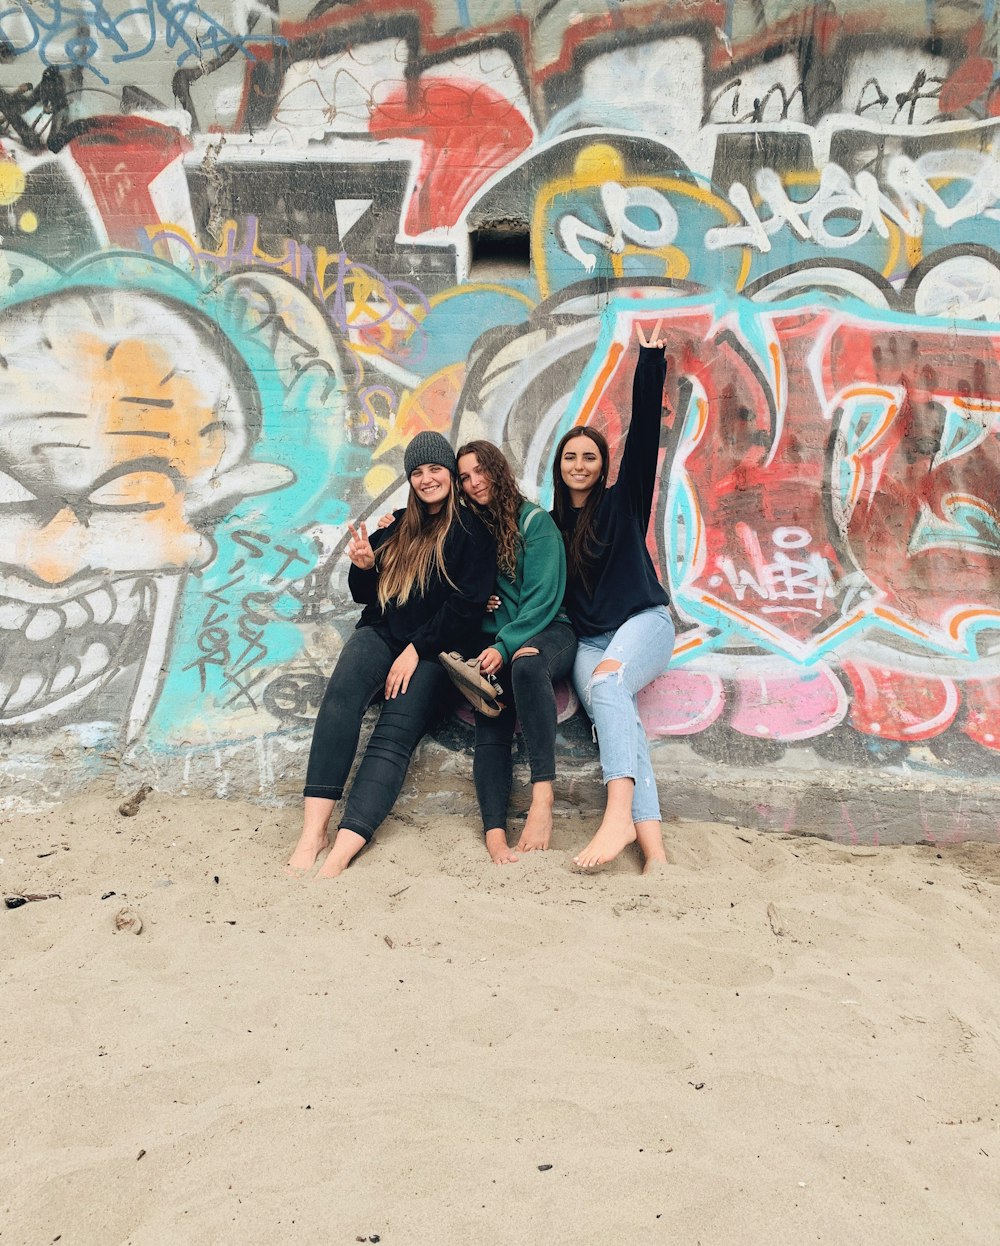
x=359 y=549
x=654 y=338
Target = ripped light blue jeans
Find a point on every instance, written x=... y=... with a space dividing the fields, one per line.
x=643 y=645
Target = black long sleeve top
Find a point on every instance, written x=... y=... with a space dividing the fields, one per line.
x=622 y=577
x=444 y=617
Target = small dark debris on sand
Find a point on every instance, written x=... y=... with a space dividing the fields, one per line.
x=15 y=902
x=129 y=808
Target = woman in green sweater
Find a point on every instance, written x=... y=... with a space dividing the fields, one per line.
x=530 y=644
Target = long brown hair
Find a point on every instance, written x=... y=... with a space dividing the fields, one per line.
x=415 y=549
x=505 y=502
x=582 y=544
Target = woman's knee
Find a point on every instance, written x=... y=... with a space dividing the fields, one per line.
x=607 y=667
x=527 y=669
x=399 y=727
x=608 y=672
x=614 y=676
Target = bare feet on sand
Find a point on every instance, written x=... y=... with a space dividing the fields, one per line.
x=538 y=824
x=617 y=830
x=613 y=837
x=496 y=846
x=306 y=854
x=345 y=848
x=314 y=840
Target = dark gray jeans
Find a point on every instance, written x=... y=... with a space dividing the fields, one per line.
x=356 y=681
x=530 y=678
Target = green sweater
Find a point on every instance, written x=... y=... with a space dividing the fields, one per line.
x=530 y=602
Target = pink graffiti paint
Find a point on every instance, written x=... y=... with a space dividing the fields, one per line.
x=853 y=835
x=681 y=702
x=787 y=705
x=895 y=705
x=982 y=712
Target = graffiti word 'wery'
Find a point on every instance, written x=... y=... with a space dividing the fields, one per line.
x=842 y=210
x=790 y=584
x=73 y=36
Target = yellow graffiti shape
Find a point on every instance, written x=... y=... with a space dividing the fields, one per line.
x=12 y=182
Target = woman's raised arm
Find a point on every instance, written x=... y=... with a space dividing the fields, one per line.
x=637 y=472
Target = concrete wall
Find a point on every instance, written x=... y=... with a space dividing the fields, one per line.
x=249 y=248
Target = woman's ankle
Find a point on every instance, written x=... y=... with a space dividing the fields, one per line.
x=543 y=794
x=650 y=837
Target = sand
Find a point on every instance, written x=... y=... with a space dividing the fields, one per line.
x=774 y=1040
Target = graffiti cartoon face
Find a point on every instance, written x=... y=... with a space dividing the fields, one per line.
x=125 y=422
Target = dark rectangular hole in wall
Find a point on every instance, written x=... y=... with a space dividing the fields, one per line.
x=500 y=250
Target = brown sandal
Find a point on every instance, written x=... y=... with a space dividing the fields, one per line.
x=481 y=691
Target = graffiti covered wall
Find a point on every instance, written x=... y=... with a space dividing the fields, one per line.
x=247 y=249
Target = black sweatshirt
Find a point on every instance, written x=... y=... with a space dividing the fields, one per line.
x=443 y=617
x=622 y=574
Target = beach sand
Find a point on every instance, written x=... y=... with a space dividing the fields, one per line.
x=775 y=1039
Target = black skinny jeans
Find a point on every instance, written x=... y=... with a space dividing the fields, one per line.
x=534 y=703
x=357 y=678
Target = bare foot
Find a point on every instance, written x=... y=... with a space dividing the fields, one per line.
x=345 y=848
x=650 y=837
x=314 y=840
x=496 y=846
x=538 y=824
x=306 y=854
x=613 y=836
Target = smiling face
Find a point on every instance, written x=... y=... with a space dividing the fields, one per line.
x=431 y=483
x=581 y=466
x=474 y=481
x=122 y=424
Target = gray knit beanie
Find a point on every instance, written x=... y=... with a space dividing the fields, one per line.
x=428 y=448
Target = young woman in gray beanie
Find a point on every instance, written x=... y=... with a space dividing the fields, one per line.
x=423 y=581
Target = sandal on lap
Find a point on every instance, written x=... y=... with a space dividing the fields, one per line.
x=481 y=691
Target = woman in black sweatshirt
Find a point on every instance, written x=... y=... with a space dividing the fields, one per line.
x=424 y=581
x=617 y=605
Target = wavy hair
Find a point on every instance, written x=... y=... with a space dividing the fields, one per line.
x=415 y=549
x=505 y=502
x=582 y=544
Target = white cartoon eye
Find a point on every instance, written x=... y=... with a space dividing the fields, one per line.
x=135 y=492
x=12 y=492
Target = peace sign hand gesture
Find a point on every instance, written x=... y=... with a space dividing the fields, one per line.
x=654 y=338
x=359 y=549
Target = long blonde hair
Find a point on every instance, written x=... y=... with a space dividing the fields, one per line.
x=415 y=549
